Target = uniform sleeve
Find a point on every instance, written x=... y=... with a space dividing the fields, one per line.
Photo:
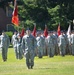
x=8 y=41
x=35 y=43
x=23 y=43
x=46 y=41
x=59 y=41
x=2 y=42
x=12 y=40
x=71 y=39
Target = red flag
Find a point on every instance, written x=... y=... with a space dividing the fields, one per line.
x=22 y=32
x=59 y=31
x=46 y=31
x=34 y=31
x=15 y=19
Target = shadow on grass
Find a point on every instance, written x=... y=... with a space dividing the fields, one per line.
x=45 y=68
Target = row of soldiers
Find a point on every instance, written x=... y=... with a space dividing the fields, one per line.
x=54 y=44
x=31 y=46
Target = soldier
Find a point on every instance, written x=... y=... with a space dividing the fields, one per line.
x=39 y=45
x=43 y=44
x=19 y=47
x=66 y=40
x=4 y=44
x=50 y=45
x=29 y=46
x=72 y=43
x=69 y=43
x=55 y=40
x=14 y=43
x=62 y=44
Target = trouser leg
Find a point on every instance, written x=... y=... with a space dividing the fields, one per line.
x=4 y=54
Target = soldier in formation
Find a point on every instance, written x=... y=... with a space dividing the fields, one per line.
x=29 y=45
x=4 y=45
x=50 y=45
x=16 y=42
x=39 y=40
x=62 y=44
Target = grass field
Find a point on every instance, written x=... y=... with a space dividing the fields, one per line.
x=46 y=66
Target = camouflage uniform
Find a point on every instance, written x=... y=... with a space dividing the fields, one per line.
x=72 y=43
x=19 y=48
x=50 y=45
x=62 y=44
x=40 y=46
x=43 y=45
x=14 y=43
x=4 y=44
x=66 y=40
x=69 y=44
x=28 y=46
x=55 y=37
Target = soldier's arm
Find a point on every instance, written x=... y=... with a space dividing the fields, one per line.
x=8 y=41
x=23 y=44
x=58 y=41
x=35 y=43
x=12 y=40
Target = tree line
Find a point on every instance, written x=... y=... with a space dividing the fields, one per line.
x=49 y=12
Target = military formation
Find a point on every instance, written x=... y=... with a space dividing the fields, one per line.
x=29 y=46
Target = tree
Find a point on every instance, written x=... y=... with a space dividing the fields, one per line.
x=49 y=12
x=41 y=12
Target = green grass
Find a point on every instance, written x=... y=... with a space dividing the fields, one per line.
x=57 y=65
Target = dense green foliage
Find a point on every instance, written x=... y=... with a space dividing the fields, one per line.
x=49 y=12
x=9 y=34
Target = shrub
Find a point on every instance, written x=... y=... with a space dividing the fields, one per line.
x=9 y=34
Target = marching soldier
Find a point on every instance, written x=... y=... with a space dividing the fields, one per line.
x=69 y=43
x=39 y=45
x=62 y=44
x=29 y=46
x=55 y=40
x=14 y=43
x=50 y=45
x=72 y=43
x=4 y=44
x=19 y=47
x=66 y=40
x=43 y=44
